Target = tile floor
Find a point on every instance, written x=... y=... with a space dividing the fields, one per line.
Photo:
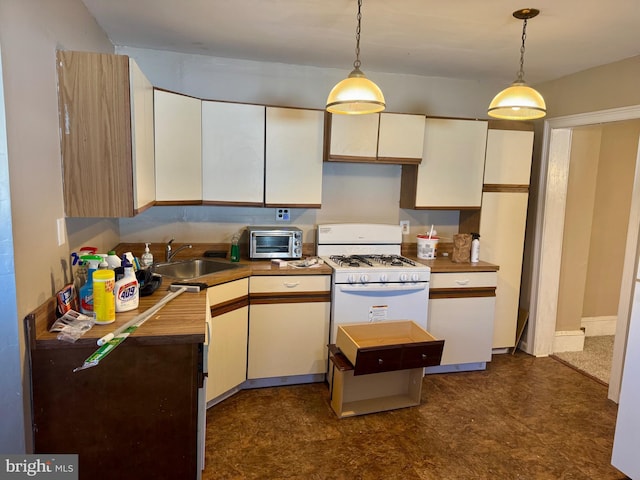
x=523 y=418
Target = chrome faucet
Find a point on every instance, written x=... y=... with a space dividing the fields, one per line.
x=170 y=253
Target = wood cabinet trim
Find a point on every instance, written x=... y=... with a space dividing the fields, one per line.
x=350 y=159
x=229 y=306
x=471 y=292
x=505 y=188
x=286 y=297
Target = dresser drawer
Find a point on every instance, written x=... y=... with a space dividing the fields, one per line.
x=426 y=354
x=388 y=346
x=378 y=359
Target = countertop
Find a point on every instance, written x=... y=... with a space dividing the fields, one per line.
x=181 y=320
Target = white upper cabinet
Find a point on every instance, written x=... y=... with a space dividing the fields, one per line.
x=452 y=169
x=508 y=157
x=401 y=138
x=354 y=138
x=178 y=147
x=376 y=138
x=293 y=157
x=233 y=153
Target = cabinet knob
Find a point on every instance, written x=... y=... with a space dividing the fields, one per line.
x=424 y=356
x=380 y=361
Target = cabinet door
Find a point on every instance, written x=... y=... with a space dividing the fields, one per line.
x=227 y=352
x=178 y=147
x=142 y=138
x=465 y=325
x=95 y=126
x=508 y=158
x=451 y=172
x=502 y=229
x=228 y=320
x=233 y=153
x=354 y=138
x=294 y=148
x=401 y=138
x=288 y=339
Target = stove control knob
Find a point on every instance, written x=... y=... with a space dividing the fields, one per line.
x=415 y=277
x=351 y=278
x=404 y=277
x=384 y=278
x=364 y=278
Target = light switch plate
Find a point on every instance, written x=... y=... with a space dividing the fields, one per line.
x=405 y=227
x=62 y=234
x=282 y=215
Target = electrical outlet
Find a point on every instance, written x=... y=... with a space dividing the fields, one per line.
x=405 y=227
x=282 y=215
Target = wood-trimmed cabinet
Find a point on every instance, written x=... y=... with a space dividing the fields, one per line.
x=107 y=136
x=450 y=175
x=503 y=218
x=289 y=325
x=395 y=138
x=461 y=312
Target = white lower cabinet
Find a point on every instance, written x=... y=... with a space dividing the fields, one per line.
x=227 y=321
x=289 y=326
x=461 y=312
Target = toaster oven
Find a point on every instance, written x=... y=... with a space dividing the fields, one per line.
x=274 y=242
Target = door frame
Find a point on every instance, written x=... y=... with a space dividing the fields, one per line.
x=549 y=227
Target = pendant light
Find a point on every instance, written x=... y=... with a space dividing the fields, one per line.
x=519 y=101
x=356 y=94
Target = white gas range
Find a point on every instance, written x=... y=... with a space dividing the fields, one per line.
x=371 y=280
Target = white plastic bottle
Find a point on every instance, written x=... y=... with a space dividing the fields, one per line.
x=127 y=290
x=475 y=248
x=147 y=257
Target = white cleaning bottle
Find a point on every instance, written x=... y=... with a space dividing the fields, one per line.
x=127 y=289
x=147 y=257
x=475 y=248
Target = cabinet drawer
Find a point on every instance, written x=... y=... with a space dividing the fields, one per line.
x=422 y=354
x=290 y=283
x=388 y=346
x=463 y=280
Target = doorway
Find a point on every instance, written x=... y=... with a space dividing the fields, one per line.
x=548 y=241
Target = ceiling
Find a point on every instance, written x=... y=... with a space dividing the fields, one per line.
x=468 y=39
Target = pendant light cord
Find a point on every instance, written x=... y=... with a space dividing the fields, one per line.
x=356 y=63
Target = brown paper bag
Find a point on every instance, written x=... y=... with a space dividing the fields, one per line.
x=461 y=248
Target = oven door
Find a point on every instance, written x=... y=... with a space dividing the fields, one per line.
x=376 y=302
x=271 y=245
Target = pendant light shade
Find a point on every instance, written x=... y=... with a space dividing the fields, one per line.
x=519 y=101
x=356 y=94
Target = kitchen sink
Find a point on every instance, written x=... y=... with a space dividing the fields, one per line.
x=192 y=269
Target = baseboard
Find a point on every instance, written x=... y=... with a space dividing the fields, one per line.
x=597 y=326
x=568 y=341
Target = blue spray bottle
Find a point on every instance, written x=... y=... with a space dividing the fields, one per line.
x=86 y=291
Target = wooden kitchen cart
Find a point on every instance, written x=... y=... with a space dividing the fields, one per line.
x=140 y=412
x=379 y=366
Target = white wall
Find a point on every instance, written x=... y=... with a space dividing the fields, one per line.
x=351 y=192
x=30 y=33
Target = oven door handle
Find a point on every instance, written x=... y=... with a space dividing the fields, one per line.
x=369 y=288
